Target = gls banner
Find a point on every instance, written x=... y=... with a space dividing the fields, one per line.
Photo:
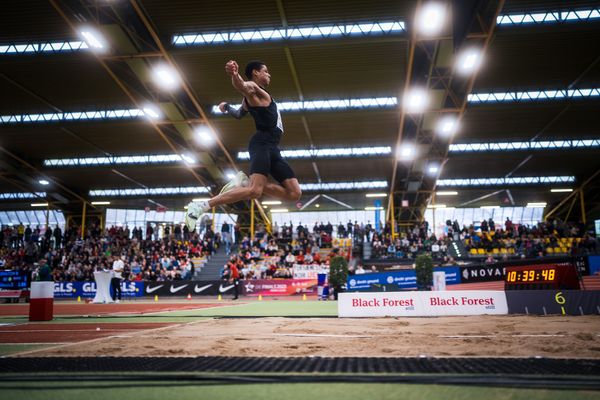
x=194 y=288
x=421 y=304
x=88 y=289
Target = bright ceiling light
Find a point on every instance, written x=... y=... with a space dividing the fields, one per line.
x=93 y=39
x=561 y=190
x=376 y=195
x=433 y=169
x=271 y=202
x=468 y=61
x=189 y=159
x=39 y=204
x=279 y=210
x=166 y=77
x=230 y=174
x=317 y=205
x=373 y=208
x=204 y=135
x=540 y=204
x=100 y=203
x=43 y=182
x=446 y=193
x=436 y=206
x=406 y=151
x=151 y=111
x=447 y=126
x=430 y=19
x=416 y=100
x=156 y=191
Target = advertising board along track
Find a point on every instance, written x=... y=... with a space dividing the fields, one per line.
x=422 y=304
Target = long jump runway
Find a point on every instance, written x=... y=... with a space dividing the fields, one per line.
x=58 y=334
x=84 y=309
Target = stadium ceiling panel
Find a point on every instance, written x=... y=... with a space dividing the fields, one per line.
x=338 y=74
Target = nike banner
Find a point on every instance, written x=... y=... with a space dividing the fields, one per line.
x=183 y=288
x=265 y=287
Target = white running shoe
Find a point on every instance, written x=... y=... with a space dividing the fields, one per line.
x=239 y=180
x=194 y=211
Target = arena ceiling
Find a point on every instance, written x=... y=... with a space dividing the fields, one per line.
x=519 y=57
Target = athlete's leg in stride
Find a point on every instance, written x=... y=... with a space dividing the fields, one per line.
x=252 y=190
x=289 y=190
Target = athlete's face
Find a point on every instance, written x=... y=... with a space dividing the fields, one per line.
x=262 y=76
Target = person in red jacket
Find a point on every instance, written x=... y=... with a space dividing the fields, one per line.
x=234 y=277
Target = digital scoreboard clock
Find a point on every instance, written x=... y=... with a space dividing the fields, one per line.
x=14 y=280
x=542 y=277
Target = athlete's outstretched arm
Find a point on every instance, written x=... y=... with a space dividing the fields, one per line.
x=246 y=88
x=237 y=113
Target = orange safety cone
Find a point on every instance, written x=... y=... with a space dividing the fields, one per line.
x=189 y=297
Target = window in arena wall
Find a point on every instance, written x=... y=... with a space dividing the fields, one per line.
x=33 y=218
x=473 y=216
x=308 y=218
x=140 y=218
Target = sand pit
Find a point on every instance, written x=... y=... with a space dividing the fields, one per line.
x=494 y=336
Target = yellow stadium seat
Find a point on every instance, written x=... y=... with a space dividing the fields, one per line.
x=496 y=251
x=503 y=251
x=549 y=250
x=473 y=252
x=557 y=250
x=481 y=252
x=564 y=250
x=511 y=251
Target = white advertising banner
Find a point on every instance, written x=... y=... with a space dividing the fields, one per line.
x=309 y=271
x=421 y=304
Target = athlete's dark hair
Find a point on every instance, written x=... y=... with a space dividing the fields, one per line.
x=251 y=66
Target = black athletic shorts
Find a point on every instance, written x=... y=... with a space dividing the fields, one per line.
x=265 y=157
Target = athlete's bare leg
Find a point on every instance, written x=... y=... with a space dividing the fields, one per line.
x=289 y=190
x=253 y=191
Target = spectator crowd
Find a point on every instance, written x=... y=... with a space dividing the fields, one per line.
x=179 y=253
x=73 y=258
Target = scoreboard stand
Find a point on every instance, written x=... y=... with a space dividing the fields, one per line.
x=559 y=276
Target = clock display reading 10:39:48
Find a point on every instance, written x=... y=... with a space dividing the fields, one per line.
x=532 y=275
